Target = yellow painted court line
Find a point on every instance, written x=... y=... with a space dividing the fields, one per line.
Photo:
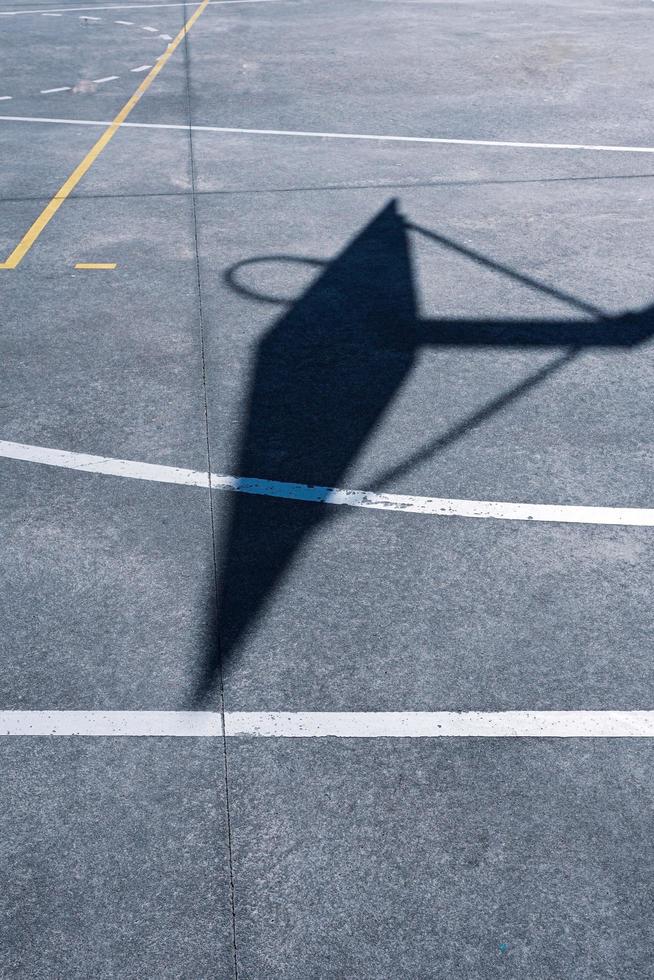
x=64 y=191
x=95 y=265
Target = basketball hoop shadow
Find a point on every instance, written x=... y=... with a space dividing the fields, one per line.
x=323 y=375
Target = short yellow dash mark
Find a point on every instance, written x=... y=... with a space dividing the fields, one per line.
x=69 y=185
x=95 y=265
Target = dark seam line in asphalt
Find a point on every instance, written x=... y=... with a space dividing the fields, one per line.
x=326 y=187
x=211 y=508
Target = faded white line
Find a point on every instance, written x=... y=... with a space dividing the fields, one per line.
x=410 y=504
x=128 y=6
x=141 y=68
x=5 y=98
x=109 y=78
x=126 y=23
x=331 y=724
x=48 y=91
x=152 y=30
x=310 y=134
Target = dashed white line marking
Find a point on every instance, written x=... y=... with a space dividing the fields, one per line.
x=405 y=503
x=600 y=148
x=51 y=15
x=101 y=81
x=131 y=6
x=5 y=98
x=48 y=91
x=152 y=30
x=165 y=37
x=330 y=724
x=127 y=23
x=90 y=18
x=141 y=68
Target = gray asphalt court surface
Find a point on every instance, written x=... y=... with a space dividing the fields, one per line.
x=272 y=301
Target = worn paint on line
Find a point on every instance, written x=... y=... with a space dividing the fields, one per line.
x=440 y=724
x=406 y=503
x=330 y=724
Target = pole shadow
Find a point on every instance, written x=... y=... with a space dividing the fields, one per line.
x=324 y=374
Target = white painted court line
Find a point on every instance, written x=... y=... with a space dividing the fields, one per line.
x=409 y=504
x=440 y=724
x=331 y=724
x=127 y=6
x=113 y=723
x=413 y=139
x=100 y=464
x=310 y=134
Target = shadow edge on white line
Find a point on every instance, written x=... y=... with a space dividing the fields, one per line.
x=331 y=496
